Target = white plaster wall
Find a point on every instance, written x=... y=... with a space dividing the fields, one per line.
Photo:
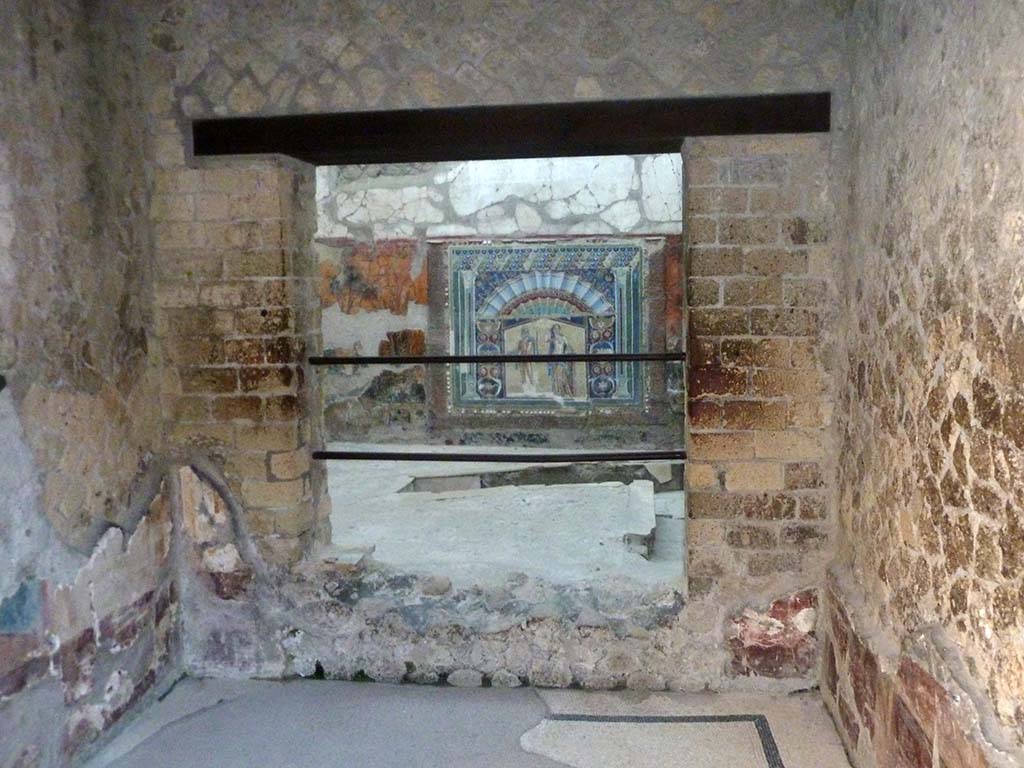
x=618 y=194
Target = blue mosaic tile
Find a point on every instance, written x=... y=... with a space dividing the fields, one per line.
x=547 y=298
x=21 y=612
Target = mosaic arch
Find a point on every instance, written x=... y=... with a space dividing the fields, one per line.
x=547 y=298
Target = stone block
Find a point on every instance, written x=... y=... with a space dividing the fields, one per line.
x=762 y=564
x=222 y=295
x=752 y=291
x=196 y=409
x=255 y=262
x=805 y=292
x=231 y=408
x=717 y=381
x=753 y=476
x=503 y=678
x=778 y=506
x=758 y=170
x=719 y=322
x=268 y=380
x=810 y=414
x=194 y=322
x=208 y=380
x=264 y=322
x=775 y=261
x=702 y=229
x=804 y=354
x=290 y=464
x=813 y=506
x=789 y=445
x=702 y=292
x=170 y=295
x=284 y=349
x=269 y=437
x=748 y=230
x=716 y=200
x=465 y=678
x=704 y=414
x=776 y=200
x=754 y=414
x=783 y=383
x=205 y=435
x=281 y=408
x=211 y=206
x=804 y=537
x=195 y=350
x=294 y=521
x=751 y=537
x=244 y=351
x=701 y=171
x=702 y=505
x=759 y=353
x=272 y=494
x=715 y=261
x=801 y=230
x=723 y=445
x=701 y=476
x=784 y=322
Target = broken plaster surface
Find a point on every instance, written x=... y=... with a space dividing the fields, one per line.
x=23 y=533
x=616 y=194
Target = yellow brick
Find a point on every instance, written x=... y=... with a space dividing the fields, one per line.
x=705 y=533
x=290 y=465
x=276 y=437
x=754 y=476
x=294 y=521
x=720 y=445
x=702 y=476
x=252 y=465
x=261 y=493
x=789 y=445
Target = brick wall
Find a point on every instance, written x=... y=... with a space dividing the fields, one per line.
x=758 y=287
x=236 y=317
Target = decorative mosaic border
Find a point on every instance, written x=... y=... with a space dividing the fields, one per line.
x=526 y=256
x=764 y=730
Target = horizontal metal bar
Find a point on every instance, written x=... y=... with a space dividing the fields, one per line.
x=505 y=458
x=623 y=357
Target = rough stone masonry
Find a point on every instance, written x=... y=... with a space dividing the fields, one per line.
x=854 y=313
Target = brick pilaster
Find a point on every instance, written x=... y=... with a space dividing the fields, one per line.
x=237 y=316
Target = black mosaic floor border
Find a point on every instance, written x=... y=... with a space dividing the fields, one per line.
x=760 y=722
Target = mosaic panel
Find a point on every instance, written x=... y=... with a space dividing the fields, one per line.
x=547 y=298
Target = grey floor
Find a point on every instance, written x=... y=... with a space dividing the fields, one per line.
x=251 y=724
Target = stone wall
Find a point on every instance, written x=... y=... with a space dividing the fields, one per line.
x=749 y=619
x=83 y=639
x=930 y=413
x=230 y=58
x=74 y=274
x=92 y=135
x=761 y=297
x=76 y=657
x=215 y=59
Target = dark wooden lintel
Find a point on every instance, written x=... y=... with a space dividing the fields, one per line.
x=646 y=126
